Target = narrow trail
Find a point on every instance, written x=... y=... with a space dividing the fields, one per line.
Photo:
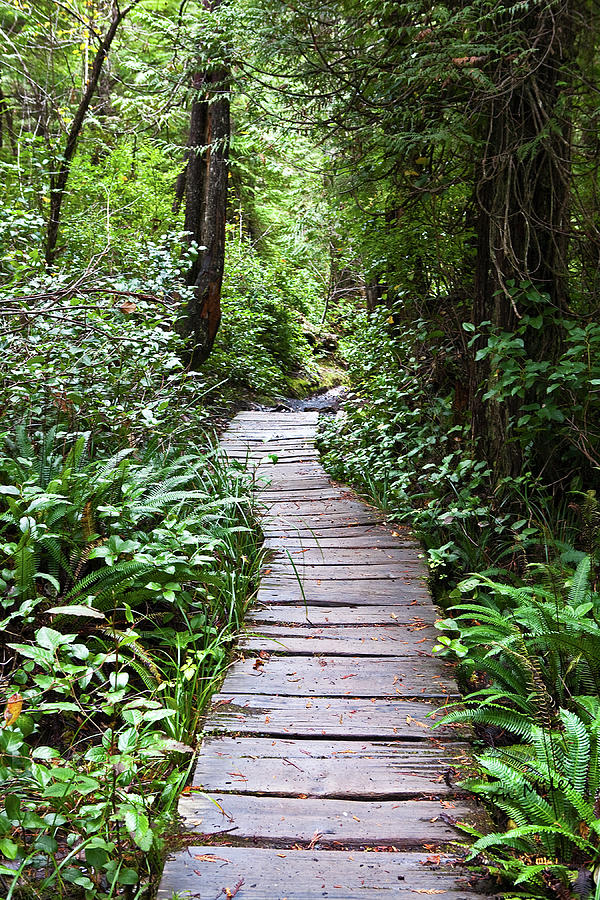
x=318 y=750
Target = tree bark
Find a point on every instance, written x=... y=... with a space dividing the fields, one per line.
x=522 y=195
x=206 y=186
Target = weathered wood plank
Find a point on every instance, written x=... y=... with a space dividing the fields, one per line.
x=290 y=486
x=271 y=499
x=342 y=556
x=332 y=769
x=366 y=592
x=284 y=523
x=338 y=717
x=285 y=456
x=331 y=641
x=325 y=507
x=260 y=415
x=334 y=676
x=414 y=614
x=392 y=631
x=359 y=537
x=351 y=823
x=209 y=872
x=405 y=571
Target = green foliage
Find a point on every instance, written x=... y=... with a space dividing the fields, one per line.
x=530 y=639
x=261 y=343
x=530 y=654
x=403 y=442
x=547 y=788
x=124 y=579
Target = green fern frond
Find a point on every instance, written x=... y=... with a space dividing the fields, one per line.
x=507 y=719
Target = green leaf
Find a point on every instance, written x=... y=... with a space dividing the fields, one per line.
x=127 y=876
x=77 y=610
x=8 y=848
x=12 y=805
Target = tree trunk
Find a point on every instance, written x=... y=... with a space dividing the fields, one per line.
x=522 y=193
x=206 y=186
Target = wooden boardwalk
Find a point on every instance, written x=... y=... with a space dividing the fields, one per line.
x=320 y=775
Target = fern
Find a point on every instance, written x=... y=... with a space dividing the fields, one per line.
x=507 y=719
x=580 y=589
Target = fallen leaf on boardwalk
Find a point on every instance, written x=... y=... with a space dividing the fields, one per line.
x=209 y=857
x=258 y=663
x=430 y=891
x=353 y=675
x=12 y=710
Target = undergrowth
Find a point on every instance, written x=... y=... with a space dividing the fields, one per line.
x=515 y=564
x=124 y=579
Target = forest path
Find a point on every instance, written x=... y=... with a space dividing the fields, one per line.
x=318 y=749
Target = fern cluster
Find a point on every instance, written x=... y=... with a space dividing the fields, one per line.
x=531 y=653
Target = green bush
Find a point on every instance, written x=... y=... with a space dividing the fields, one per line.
x=123 y=581
x=260 y=343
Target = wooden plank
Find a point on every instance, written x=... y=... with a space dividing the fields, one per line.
x=338 y=717
x=352 y=593
x=257 y=456
x=296 y=436
x=274 y=437
x=356 y=556
x=408 y=570
x=319 y=507
x=351 y=823
x=416 y=615
x=352 y=640
x=271 y=470
x=207 y=872
x=392 y=631
x=276 y=524
x=373 y=537
x=332 y=769
x=290 y=486
x=259 y=415
x=326 y=492
x=335 y=676
x=320 y=526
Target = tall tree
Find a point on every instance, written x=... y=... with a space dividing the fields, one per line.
x=467 y=119
x=206 y=187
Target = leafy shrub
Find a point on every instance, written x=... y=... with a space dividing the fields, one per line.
x=260 y=343
x=547 y=788
x=401 y=442
x=124 y=579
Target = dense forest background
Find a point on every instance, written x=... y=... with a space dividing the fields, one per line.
x=211 y=203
